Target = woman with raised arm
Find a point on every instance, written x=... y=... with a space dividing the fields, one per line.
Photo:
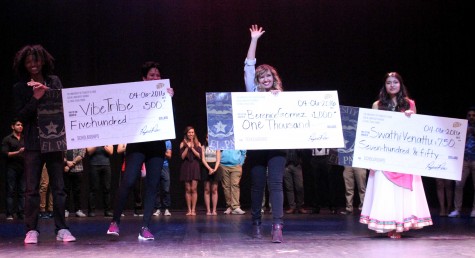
x=266 y=165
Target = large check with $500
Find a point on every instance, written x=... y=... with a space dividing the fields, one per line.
x=118 y=113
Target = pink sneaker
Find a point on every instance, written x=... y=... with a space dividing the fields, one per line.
x=32 y=237
x=65 y=236
x=113 y=229
x=145 y=234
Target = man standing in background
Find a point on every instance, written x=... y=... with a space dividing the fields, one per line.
x=12 y=149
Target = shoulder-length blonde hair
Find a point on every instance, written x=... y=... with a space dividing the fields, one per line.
x=260 y=70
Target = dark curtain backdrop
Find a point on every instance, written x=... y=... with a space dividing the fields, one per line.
x=344 y=45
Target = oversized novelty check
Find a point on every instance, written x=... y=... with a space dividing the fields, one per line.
x=420 y=144
x=262 y=120
x=118 y=113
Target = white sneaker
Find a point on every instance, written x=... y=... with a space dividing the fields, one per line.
x=66 y=213
x=454 y=214
x=79 y=213
x=65 y=236
x=228 y=211
x=472 y=214
x=32 y=237
x=167 y=213
x=157 y=213
x=238 y=211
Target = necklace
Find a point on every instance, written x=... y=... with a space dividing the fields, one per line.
x=392 y=106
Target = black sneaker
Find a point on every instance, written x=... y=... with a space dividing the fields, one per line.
x=44 y=215
x=137 y=213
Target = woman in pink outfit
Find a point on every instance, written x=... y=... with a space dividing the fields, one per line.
x=394 y=202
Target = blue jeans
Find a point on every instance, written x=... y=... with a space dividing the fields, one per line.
x=34 y=161
x=137 y=154
x=164 y=190
x=273 y=162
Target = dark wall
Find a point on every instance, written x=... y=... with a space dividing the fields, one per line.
x=344 y=45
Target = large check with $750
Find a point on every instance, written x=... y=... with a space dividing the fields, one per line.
x=419 y=144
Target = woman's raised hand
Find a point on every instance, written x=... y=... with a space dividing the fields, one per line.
x=256 y=31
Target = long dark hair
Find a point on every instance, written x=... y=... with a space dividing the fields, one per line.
x=39 y=54
x=195 y=139
x=149 y=65
x=402 y=97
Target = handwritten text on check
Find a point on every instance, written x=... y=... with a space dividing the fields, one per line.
x=118 y=113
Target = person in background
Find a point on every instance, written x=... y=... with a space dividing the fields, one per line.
x=34 y=66
x=266 y=165
x=231 y=167
x=163 y=192
x=73 y=173
x=12 y=148
x=468 y=167
x=324 y=180
x=136 y=154
x=293 y=181
x=266 y=203
x=100 y=174
x=211 y=175
x=445 y=195
x=190 y=173
x=350 y=175
x=46 y=197
x=394 y=202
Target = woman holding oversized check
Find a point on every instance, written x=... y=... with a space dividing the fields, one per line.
x=264 y=78
x=394 y=202
x=152 y=154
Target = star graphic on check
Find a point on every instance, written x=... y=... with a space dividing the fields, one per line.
x=51 y=128
x=220 y=127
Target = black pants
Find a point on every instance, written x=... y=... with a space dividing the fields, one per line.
x=34 y=161
x=72 y=183
x=100 y=175
x=324 y=182
x=15 y=191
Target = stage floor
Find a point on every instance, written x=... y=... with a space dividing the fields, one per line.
x=309 y=235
